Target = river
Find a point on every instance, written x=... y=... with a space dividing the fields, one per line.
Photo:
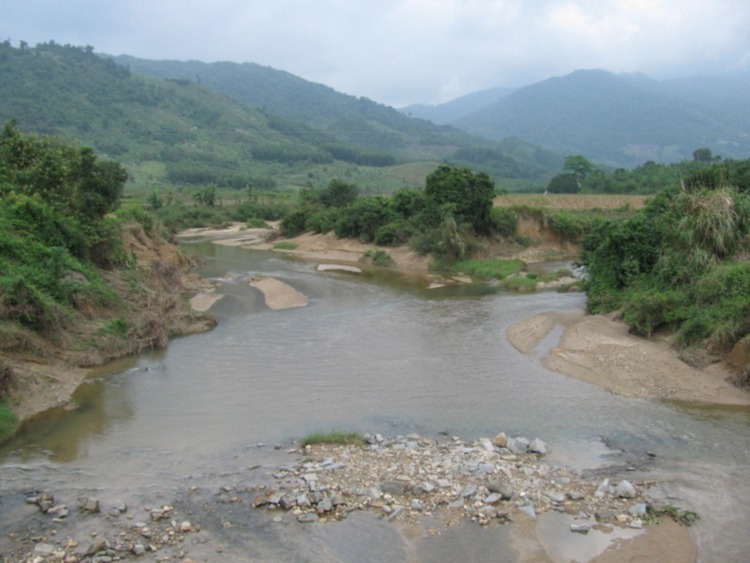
x=376 y=353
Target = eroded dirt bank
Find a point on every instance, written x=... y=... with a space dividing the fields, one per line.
x=152 y=308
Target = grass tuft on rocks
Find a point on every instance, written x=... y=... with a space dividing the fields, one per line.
x=334 y=437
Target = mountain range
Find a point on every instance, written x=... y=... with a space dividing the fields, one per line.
x=234 y=125
x=621 y=120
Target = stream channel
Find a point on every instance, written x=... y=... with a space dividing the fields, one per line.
x=370 y=353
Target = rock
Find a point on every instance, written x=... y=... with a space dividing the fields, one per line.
x=307 y=517
x=287 y=502
x=493 y=498
x=303 y=501
x=501 y=440
x=186 y=527
x=99 y=544
x=338 y=499
x=537 y=446
x=528 y=509
x=468 y=491
x=91 y=506
x=636 y=524
x=392 y=488
x=575 y=494
x=139 y=549
x=324 y=506
x=518 y=445
x=556 y=497
x=397 y=510
x=502 y=487
x=44 y=549
x=625 y=489
x=582 y=528
x=487 y=444
x=602 y=489
x=416 y=505
x=638 y=509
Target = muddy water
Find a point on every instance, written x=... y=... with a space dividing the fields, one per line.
x=371 y=353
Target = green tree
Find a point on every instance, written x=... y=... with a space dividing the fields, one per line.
x=465 y=195
x=579 y=166
x=338 y=194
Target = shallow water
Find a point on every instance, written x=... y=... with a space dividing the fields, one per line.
x=375 y=353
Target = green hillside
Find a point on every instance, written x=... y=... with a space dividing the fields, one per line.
x=358 y=121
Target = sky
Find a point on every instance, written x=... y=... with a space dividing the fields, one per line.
x=400 y=52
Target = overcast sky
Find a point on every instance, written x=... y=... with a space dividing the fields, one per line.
x=399 y=52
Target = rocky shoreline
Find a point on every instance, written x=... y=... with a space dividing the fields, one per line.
x=404 y=480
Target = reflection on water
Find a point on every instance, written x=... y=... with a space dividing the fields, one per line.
x=378 y=353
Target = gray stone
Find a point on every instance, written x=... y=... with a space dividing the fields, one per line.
x=575 y=494
x=397 y=510
x=556 y=497
x=91 y=505
x=443 y=483
x=537 y=446
x=638 y=509
x=307 y=517
x=392 y=488
x=139 y=549
x=468 y=491
x=303 y=501
x=502 y=487
x=325 y=505
x=493 y=498
x=338 y=499
x=625 y=489
x=287 y=502
x=486 y=443
x=518 y=445
x=580 y=528
x=44 y=549
x=528 y=509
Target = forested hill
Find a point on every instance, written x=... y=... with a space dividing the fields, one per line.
x=353 y=120
x=620 y=119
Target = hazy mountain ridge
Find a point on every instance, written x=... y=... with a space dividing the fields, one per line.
x=622 y=120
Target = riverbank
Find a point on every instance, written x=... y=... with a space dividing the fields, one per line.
x=152 y=308
x=599 y=350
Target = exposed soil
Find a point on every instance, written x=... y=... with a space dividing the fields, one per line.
x=48 y=368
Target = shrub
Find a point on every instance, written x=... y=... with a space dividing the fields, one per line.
x=378 y=257
x=504 y=221
x=8 y=422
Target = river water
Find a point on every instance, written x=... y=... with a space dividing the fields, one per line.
x=377 y=353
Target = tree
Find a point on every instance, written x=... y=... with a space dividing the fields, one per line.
x=338 y=194
x=580 y=167
x=702 y=155
x=565 y=183
x=465 y=195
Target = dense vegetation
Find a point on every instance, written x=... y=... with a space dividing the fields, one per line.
x=54 y=234
x=680 y=263
x=582 y=176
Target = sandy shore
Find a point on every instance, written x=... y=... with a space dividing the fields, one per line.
x=601 y=351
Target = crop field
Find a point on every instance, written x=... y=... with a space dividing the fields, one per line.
x=573 y=201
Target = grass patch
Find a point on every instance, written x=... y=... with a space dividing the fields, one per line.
x=338 y=438
x=285 y=245
x=8 y=422
x=489 y=269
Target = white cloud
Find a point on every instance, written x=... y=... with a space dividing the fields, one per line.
x=402 y=51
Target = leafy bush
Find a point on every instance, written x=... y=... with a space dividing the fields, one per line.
x=504 y=221
x=378 y=257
